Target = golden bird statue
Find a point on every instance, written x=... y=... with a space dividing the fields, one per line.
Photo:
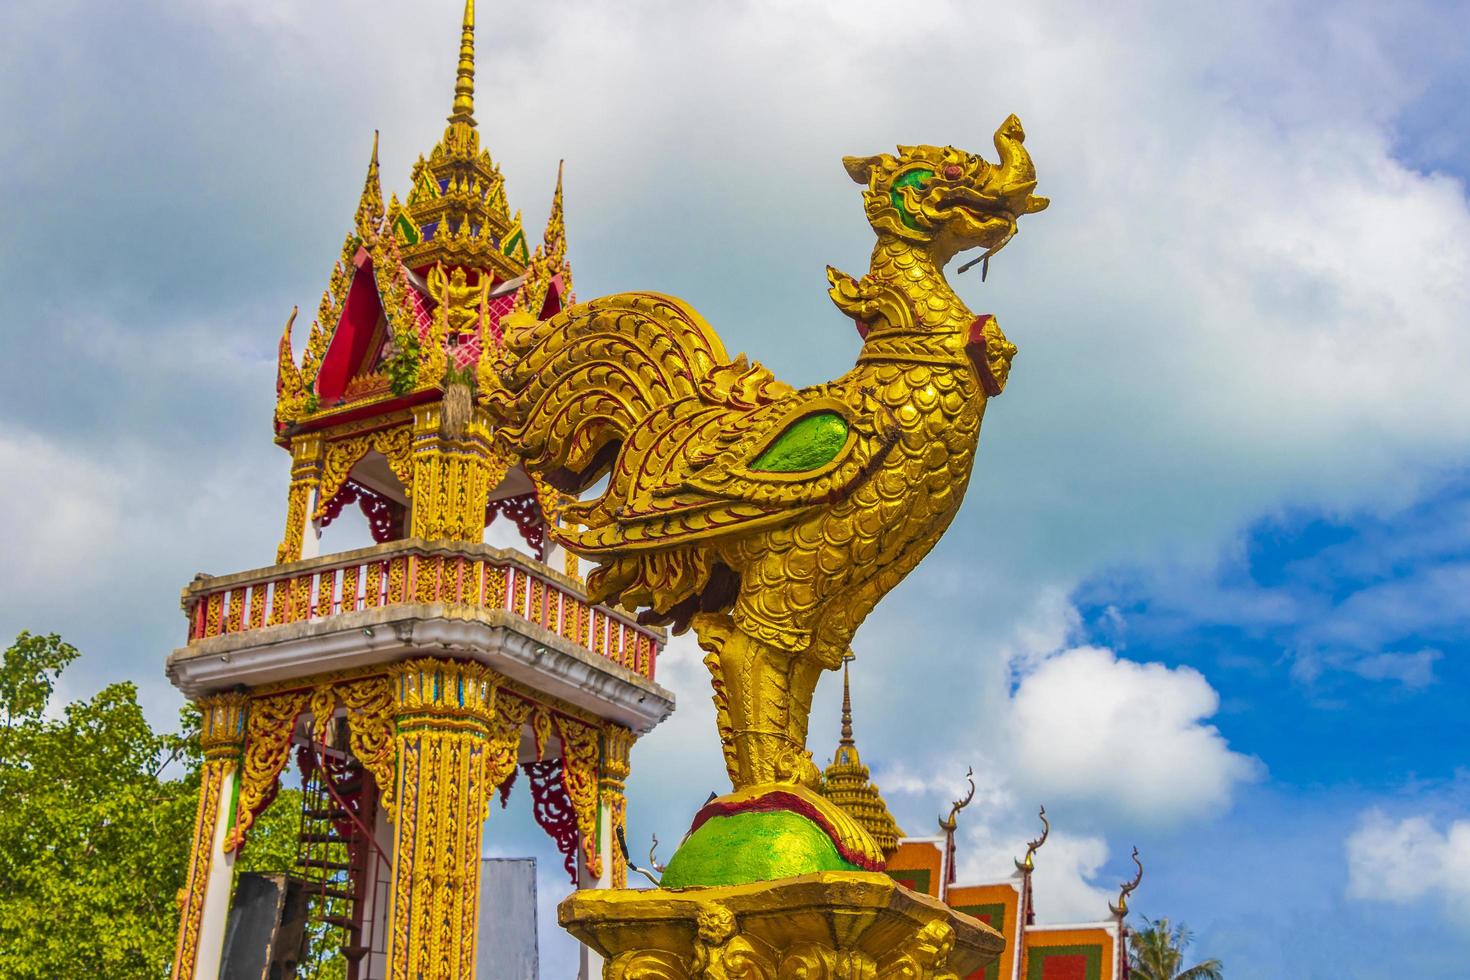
x=768 y=518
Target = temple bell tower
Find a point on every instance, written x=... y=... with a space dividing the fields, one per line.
x=411 y=679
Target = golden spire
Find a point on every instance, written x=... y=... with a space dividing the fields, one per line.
x=370 y=207
x=846 y=688
x=464 y=79
x=846 y=783
x=456 y=212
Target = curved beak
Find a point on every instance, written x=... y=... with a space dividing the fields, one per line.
x=1016 y=178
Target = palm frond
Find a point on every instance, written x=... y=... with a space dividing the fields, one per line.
x=1208 y=970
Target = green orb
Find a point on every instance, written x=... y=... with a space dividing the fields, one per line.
x=753 y=846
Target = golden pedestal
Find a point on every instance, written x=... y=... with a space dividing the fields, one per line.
x=834 y=925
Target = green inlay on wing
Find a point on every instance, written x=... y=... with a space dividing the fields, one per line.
x=808 y=443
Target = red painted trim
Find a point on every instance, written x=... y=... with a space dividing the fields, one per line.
x=779 y=800
x=347 y=352
x=979 y=356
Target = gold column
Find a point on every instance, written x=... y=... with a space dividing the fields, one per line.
x=455 y=466
x=617 y=742
x=222 y=736
x=444 y=711
x=306 y=474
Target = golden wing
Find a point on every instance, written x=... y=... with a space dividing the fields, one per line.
x=718 y=469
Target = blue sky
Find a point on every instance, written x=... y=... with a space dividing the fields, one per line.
x=1205 y=592
x=1339 y=648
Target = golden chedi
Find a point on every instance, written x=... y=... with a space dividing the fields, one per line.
x=846 y=783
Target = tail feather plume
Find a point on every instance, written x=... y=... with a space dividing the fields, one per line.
x=569 y=390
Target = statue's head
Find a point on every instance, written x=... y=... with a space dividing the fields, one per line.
x=947 y=198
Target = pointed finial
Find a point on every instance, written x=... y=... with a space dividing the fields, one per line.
x=555 y=238
x=464 y=79
x=370 y=206
x=846 y=687
x=1127 y=888
x=949 y=823
x=1028 y=863
x=288 y=376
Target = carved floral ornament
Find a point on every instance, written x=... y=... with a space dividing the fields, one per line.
x=273 y=722
x=576 y=778
x=394 y=444
x=723 y=951
x=375 y=706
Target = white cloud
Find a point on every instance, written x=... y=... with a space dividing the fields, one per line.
x=1408 y=860
x=71 y=508
x=1105 y=742
x=1409 y=669
x=1043 y=629
x=1130 y=738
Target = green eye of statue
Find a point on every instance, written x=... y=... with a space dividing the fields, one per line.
x=912 y=178
x=806 y=444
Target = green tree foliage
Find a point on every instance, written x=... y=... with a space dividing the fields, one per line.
x=1156 y=952
x=93 y=836
x=96 y=819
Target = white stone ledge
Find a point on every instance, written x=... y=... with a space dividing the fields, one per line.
x=498 y=638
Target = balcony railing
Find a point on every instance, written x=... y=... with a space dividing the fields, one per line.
x=416 y=572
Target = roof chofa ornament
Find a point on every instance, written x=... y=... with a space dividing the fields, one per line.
x=949 y=823
x=1127 y=888
x=1028 y=863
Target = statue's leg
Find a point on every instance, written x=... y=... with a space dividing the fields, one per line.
x=803 y=673
x=756 y=704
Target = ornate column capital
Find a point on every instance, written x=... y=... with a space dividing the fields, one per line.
x=222 y=725
x=306 y=472
x=617 y=743
x=306 y=451
x=430 y=692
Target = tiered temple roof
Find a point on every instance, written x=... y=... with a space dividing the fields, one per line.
x=421 y=285
x=456 y=212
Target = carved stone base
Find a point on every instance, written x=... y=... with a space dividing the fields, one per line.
x=835 y=925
